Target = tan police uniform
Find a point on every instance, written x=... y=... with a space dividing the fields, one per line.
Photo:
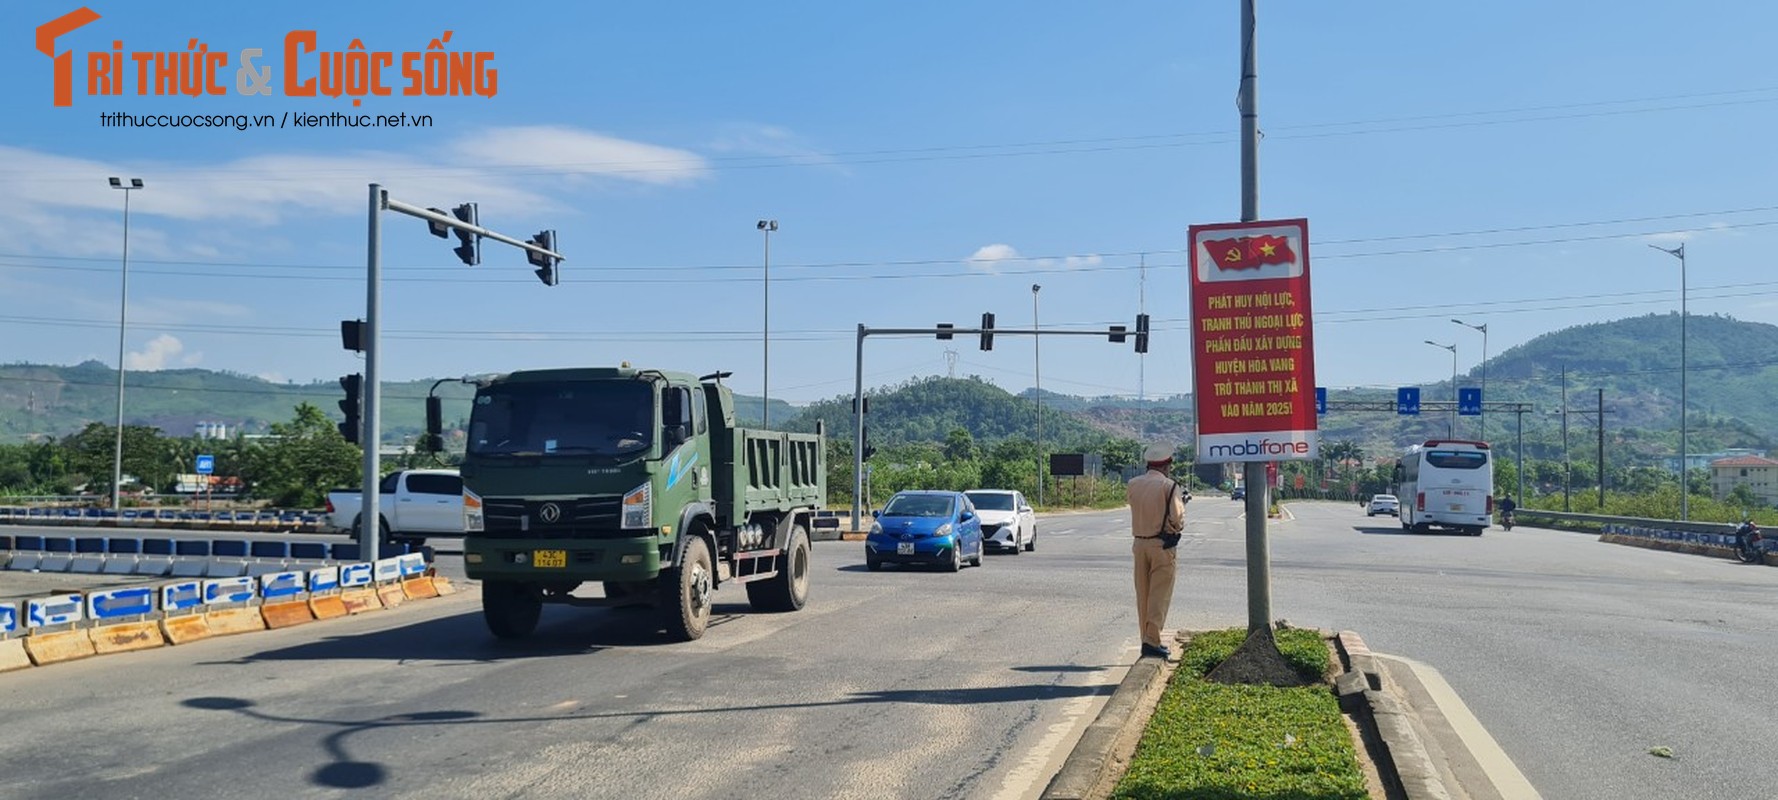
x=1157 y=506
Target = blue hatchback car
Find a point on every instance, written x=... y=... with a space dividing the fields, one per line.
x=940 y=528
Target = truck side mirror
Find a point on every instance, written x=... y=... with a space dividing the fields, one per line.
x=434 y=439
x=677 y=434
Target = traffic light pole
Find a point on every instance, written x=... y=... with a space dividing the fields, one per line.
x=370 y=510
x=1116 y=332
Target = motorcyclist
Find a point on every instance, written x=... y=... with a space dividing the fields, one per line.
x=1507 y=506
x=1747 y=537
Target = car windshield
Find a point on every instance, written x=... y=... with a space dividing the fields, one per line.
x=918 y=505
x=571 y=418
x=991 y=501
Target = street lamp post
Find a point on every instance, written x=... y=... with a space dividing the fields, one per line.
x=1037 y=373
x=123 y=317
x=1484 y=329
x=1684 y=490
x=766 y=226
x=1451 y=426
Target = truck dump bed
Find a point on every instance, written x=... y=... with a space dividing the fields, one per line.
x=767 y=471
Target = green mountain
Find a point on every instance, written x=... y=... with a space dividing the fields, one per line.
x=927 y=409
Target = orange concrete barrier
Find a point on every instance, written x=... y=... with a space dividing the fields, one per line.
x=185 y=629
x=327 y=606
x=418 y=588
x=13 y=655
x=443 y=585
x=286 y=614
x=358 y=601
x=390 y=595
x=225 y=621
x=50 y=648
x=127 y=636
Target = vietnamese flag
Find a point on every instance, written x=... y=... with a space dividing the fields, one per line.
x=1249 y=252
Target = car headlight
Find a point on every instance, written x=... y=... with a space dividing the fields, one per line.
x=472 y=512
x=876 y=528
x=943 y=530
x=638 y=508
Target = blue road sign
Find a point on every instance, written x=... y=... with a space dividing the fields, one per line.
x=1407 y=400
x=324 y=579
x=280 y=584
x=412 y=564
x=355 y=574
x=388 y=569
x=228 y=590
x=9 y=618
x=206 y=465
x=59 y=610
x=1469 y=402
x=182 y=595
x=131 y=602
x=1321 y=399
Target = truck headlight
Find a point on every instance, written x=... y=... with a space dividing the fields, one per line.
x=472 y=512
x=638 y=508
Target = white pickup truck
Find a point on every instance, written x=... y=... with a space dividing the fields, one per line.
x=416 y=503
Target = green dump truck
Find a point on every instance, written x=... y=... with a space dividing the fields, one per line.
x=638 y=479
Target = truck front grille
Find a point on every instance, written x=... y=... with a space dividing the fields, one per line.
x=592 y=517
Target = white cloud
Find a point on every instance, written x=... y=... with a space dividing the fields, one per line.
x=988 y=258
x=772 y=143
x=497 y=166
x=160 y=352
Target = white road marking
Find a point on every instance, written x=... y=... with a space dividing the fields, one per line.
x=1500 y=769
x=1026 y=780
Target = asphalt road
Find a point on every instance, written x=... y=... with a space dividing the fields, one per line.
x=1578 y=656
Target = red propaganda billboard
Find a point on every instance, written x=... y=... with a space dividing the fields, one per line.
x=1252 y=352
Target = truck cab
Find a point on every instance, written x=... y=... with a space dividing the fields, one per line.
x=639 y=479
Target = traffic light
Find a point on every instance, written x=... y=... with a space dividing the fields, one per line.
x=1117 y=334
x=869 y=450
x=987 y=330
x=944 y=331
x=352 y=334
x=433 y=441
x=1141 y=333
x=469 y=247
x=546 y=265
x=354 y=386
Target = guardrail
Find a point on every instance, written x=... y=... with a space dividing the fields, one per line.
x=1595 y=523
x=269 y=520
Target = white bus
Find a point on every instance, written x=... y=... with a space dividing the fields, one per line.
x=1447 y=483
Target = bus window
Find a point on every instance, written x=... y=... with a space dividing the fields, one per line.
x=1453 y=459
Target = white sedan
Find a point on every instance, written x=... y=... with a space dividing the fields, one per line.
x=1008 y=522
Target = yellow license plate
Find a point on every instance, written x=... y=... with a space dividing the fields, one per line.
x=549 y=558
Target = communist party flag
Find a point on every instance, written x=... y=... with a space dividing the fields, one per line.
x=1249 y=252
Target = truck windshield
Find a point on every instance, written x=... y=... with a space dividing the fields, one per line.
x=612 y=417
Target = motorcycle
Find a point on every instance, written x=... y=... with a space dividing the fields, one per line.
x=1747 y=540
x=1506 y=520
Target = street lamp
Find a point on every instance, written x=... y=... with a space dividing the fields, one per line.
x=1684 y=490
x=1037 y=372
x=766 y=226
x=123 y=317
x=1450 y=427
x=1484 y=410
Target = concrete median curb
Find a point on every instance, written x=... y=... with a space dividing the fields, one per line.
x=1088 y=772
x=1369 y=697
x=1713 y=551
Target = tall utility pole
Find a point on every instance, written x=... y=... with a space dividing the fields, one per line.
x=1259 y=568
x=1451 y=424
x=123 y=317
x=1142 y=308
x=1567 y=466
x=1685 y=508
x=1037 y=373
x=1601 y=451
x=766 y=226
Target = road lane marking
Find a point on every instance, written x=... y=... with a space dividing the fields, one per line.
x=1495 y=763
x=1028 y=778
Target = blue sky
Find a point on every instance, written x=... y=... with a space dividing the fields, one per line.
x=926 y=162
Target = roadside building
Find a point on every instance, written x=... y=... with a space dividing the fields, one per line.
x=1757 y=473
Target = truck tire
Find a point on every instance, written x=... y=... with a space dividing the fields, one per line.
x=511 y=608
x=789 y=589
x=686 y=604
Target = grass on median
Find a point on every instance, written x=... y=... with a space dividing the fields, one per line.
x=1218 y=742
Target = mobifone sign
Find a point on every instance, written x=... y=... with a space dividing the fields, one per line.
x=1252 y=352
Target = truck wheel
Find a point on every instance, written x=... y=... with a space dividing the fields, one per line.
x=511 y=608
x=688 y=592
x=789 y=589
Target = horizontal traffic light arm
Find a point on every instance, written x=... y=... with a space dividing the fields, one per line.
x=996 y=331
x=452 y=222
